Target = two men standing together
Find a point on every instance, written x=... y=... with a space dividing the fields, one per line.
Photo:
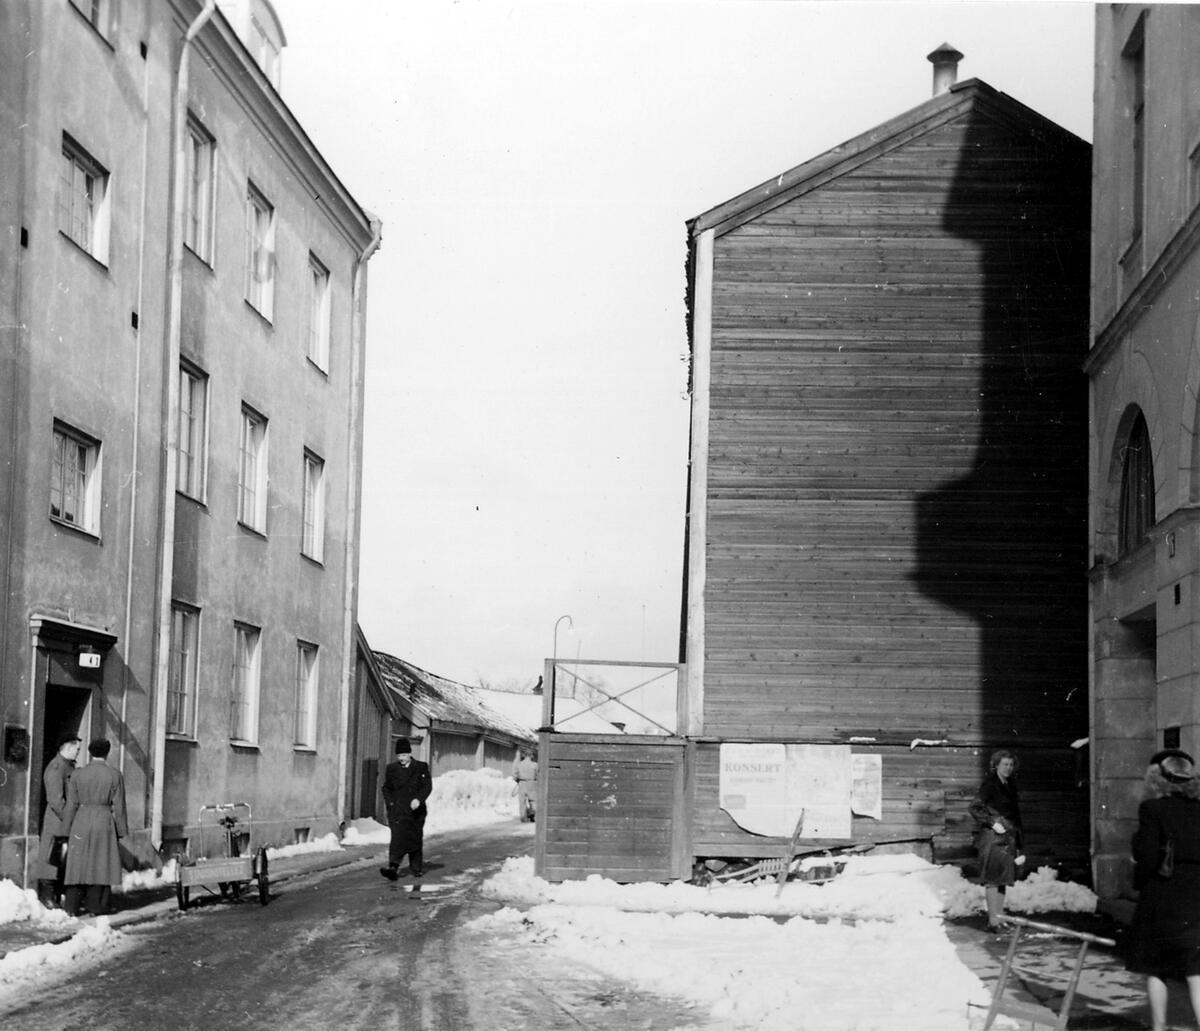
x=85 y=818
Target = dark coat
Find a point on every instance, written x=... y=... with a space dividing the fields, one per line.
x=95 y=818
x=401 y=785
x=1166 y=923
x=54 y=779
x=997 y=802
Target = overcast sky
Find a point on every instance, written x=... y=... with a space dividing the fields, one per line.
x=534 y=165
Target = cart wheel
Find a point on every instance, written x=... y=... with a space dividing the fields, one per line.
x=264 y=881
x=181 y=896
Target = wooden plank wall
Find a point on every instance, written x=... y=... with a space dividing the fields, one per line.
x=611 y=805
x=898 y=470
x=452 y=752
x=925 y=800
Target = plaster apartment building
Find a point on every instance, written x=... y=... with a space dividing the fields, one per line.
x=1144 y=374
x=182 y=301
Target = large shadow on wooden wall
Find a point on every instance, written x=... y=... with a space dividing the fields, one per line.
x=1007 y=543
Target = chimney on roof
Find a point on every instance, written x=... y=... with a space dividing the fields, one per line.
x=945 y=68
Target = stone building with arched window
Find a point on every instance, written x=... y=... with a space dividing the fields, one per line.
x=1144 y=375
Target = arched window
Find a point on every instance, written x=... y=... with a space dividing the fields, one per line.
x=1137 y=489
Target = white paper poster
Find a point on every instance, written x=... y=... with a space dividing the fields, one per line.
x=764 y=787
x=819 y=782
x=866 y=798
x=753 y=788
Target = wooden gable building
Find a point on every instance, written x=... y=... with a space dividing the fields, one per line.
x=886 y=527
x=888 y=472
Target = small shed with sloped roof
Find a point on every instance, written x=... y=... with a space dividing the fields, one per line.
x=449 y=725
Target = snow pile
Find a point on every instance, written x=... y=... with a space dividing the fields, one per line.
x=23 y=964
x=466 y=798
x=145 y=880
x=757 y=973
x=328 y=843
x=460 y=798
x=870 y=888
x=1043 y=892
x=20 y=905
x=882 y=914
x=366 y=831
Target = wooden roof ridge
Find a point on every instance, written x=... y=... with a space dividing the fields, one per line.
x=971 y=94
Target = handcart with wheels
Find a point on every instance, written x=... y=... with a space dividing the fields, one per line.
x=229 y=874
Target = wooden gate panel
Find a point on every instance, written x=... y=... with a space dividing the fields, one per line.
x=611 y=805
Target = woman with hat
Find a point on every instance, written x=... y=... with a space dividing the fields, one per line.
x=1164 y=939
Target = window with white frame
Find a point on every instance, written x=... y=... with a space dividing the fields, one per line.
x=185 y=671
x=193 y=432
x=83 y=207
x=247 y=669
x=199 y=189
x=318 y=314
x=260 y=252
x=306 y=695
x=252 y=471
x=266 y=50
x=312 y=541
x=75 y=479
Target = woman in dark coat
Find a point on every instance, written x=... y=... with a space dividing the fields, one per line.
x=1164 y=939
x=996 y=809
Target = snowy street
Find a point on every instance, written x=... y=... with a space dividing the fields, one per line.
x=489 y=945
x=344 y=950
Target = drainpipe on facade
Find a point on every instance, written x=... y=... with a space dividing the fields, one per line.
x=166 y=560
x=353 y=493
x=134 y=455
x=30 y=825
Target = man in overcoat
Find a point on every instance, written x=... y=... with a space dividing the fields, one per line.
x=50 y=845
x=525 y=772
x=95 y=821
x=406 y=785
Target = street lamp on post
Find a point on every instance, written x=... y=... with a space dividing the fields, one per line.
x=553 y=685
x=554 y=654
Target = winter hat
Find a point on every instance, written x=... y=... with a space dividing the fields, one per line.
x=1174 y=764
x=402 y=746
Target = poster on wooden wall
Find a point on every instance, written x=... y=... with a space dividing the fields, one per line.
x=753 y=788
x=819 y=782
x=763 y=787
x=866 y=795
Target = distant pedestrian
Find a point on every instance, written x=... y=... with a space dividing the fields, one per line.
x=996 y=809
x=1164 y=938
x=525 y=771
x=52 y=843
x=95 y=822
x=406 y=785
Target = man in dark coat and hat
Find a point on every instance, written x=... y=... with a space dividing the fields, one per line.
x=95 y=821
x=406 y=785
x=54 y=834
